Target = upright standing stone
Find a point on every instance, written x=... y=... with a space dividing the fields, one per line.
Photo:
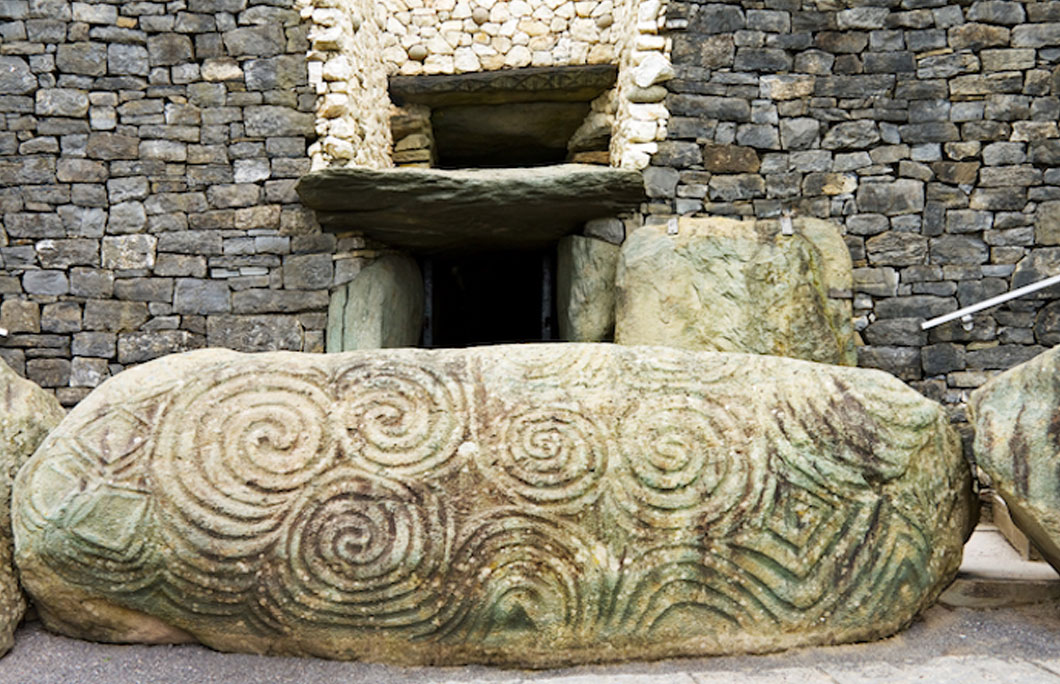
x=1017 y=443
x=27 y=415
x=585 y=289
x=381 y=307
x=528 y=505
x=726 y=285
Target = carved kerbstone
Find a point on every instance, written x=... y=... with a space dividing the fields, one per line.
x=1017 y=440
x=27 y=414
x=529 y=505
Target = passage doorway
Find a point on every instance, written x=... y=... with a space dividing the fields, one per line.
x=489 y=298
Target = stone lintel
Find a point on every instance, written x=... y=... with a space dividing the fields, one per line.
x=532 y=84
x=439 y=210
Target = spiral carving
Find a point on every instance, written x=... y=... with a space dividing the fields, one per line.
x=539 y=363
x=684 y=464
x=232 y=450
x=515 y=573
x=402 y=417
x=550 y=457
x=363 y=551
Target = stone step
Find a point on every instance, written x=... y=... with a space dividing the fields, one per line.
x=993 y=575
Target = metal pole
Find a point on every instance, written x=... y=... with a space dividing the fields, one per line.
x=993 y=301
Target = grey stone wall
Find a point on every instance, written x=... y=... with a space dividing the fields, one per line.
x=148 y=153
x=926 y=128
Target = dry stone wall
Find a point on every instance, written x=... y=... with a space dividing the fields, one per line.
x=926 y=128
x=148 y=153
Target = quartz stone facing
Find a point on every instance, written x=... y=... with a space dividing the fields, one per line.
x=926 y=129
x=528 y=505
x=148 y=156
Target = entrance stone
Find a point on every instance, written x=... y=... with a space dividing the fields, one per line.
x=1017 y=433
x=726 y=285
x=27 y=414
x=528 y=505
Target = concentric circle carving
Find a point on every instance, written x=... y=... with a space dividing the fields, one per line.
x=551 y=457
x=402 y=417
x=231 y=451
x=364 y=551
x=684 y=464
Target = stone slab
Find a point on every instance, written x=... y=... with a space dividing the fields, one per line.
x=524 y=505
x=585 y=289
x=1017 y=424
x=435 y=210
x=382 y=307
x=533 y=84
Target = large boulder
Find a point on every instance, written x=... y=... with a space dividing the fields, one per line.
x=27 y=415
x=721 y=284
x=528 y=505
x=1017 y=442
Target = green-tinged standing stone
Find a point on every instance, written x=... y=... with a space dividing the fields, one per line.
x=381 y=307
x=27 y=415
x=528 y=505
x=726 y=285
x=585 y=289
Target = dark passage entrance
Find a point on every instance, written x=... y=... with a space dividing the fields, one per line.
x=489 y=298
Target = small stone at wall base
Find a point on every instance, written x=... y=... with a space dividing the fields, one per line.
x=737 y=286
x=381 y=307
x=585 y=289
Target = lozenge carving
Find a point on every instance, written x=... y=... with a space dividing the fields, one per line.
x=528 y=505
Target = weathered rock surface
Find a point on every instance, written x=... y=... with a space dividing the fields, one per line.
x=432 y=210
x=585 y=288
x=529 y=505
x=381 y=307
x=506 y=86
x=1017 y=439
x=738 y=286
x=27 y=415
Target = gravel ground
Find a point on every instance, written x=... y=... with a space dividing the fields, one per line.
x=947 y=645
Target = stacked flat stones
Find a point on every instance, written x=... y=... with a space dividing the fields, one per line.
x=927 y=129
x=528 y=505
x=147 y=163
